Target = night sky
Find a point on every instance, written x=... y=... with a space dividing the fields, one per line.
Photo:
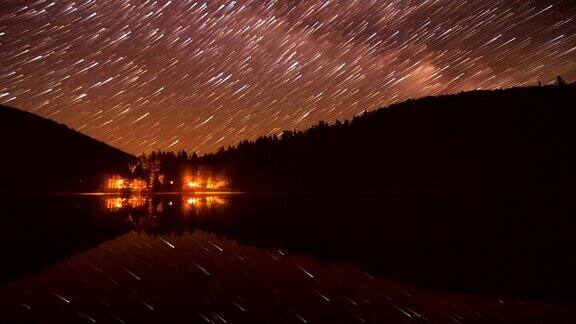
x=193 y=75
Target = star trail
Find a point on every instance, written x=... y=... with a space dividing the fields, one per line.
x=193 y=75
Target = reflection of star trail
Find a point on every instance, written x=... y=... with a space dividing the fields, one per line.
x=146 y=75
x=139 y=279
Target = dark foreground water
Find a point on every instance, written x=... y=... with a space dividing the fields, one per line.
x=235 y=258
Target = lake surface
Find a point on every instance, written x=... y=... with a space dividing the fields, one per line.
x=231 y=258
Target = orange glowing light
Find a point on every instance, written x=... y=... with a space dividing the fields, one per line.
x=215 y=184
x=193 y=184
x=204 y=183
x=119 y=183
x=115 y=183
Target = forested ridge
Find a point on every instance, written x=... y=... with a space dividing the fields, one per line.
x=40 y=155
x=519 y=139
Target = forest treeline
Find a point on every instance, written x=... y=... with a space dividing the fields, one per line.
x=40 y=155
x=511 y=140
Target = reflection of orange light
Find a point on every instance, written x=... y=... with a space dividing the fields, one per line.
x=203 y=201
x=113 y=203
x=116 y=203
x=214 y=200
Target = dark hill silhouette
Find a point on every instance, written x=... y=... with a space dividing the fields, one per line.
x=500 y=141
x=41 y=155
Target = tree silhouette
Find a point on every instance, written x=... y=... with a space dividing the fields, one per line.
x=481 y=140
x=48 y=156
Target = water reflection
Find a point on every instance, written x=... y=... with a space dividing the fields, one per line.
x=239 y=258
x=188 y=202
x=114 y=203
x=203 y=201
x=203 y=277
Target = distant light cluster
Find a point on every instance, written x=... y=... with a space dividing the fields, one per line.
x=193 y=75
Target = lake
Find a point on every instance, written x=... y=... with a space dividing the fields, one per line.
x=230 y=258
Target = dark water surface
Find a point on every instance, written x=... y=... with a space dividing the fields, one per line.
x=231 y=258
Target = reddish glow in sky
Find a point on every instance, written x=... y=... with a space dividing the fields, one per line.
x=193 y=75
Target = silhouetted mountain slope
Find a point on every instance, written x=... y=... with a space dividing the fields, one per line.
x=39 y=154
x=501 y=141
